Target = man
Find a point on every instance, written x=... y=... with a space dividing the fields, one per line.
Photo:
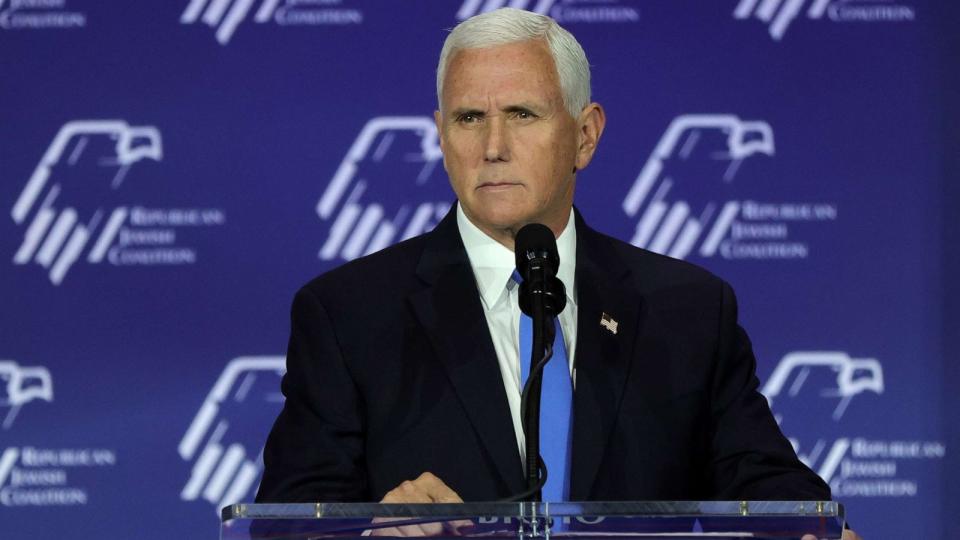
x=403 y=380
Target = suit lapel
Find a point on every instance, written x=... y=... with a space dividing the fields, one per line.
x=452 y=316
x=603 y=357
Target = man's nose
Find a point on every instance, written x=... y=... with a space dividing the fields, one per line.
x=497 y=147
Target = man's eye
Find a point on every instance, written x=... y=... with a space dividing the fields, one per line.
x=523 y=115
x=468 y=118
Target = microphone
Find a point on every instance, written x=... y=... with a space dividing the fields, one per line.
x=542 y=297
x=535 y=249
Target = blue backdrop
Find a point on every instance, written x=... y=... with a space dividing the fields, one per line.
x=172 y=171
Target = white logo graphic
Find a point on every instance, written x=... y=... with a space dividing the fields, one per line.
x=75 y=198
x=563 y=11
x=368 y=201
x=704 y=153
x=779 y=14
x=226 y=15
x=65 y=231
x=671 y=229
x=21 y=385
x=854 y=375
x=230 y=427
x=37 y=14
x=805 y=384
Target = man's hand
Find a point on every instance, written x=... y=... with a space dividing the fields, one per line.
x=847 y=535
x=427 y=488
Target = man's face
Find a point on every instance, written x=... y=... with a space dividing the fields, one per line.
x=509 y=145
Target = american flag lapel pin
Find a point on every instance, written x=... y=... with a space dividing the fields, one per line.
x=609 y=323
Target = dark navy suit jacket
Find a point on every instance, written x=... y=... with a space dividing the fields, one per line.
x=391 y=372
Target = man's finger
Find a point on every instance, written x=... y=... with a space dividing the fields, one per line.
x=426 y=488
x=458 y=526
x=440 y=492
x=436 y=489
x=423 y=529
x=408 y=492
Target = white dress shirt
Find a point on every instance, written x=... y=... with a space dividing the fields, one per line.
x=493 y=265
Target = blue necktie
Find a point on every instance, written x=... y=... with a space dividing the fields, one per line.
x=556 y=400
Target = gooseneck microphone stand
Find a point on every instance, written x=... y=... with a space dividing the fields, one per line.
x=542 y=297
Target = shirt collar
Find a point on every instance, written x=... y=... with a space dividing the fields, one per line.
x=493 y=263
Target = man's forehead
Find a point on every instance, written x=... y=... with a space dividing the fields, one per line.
x=487 y=99
x=529 y=54
x=522 y=71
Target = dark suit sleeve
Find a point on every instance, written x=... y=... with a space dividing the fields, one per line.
x=315 y=449
x=751 y=459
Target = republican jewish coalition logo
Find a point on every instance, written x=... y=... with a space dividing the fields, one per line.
x=379 y=194
x=78 y=204
x=20 y=385
x=779 y=15
x=39 y=14
x=691 y=198
x=227 y=15
x=59 y=231
x=822 y=396
x=224 y=443
x=562 y=11
x=38 y=476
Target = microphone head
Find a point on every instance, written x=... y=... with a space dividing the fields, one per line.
x=535 y=249
x=535 y=245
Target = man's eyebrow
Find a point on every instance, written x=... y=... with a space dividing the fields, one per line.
x=513 y=108
x=462 y=111
x=520 y=107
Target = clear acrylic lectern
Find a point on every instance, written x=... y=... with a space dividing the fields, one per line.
x=646 y=520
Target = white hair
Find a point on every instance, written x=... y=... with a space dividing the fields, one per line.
x=510 y=25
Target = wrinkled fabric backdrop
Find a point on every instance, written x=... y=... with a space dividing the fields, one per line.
x=172 y=171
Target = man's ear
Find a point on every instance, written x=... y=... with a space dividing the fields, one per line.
x=590 y=126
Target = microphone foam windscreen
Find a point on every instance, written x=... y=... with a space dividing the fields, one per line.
x=535 y=241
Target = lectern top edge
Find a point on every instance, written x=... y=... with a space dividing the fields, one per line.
x=827 y=509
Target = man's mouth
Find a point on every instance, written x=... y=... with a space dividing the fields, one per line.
x=498 y=185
